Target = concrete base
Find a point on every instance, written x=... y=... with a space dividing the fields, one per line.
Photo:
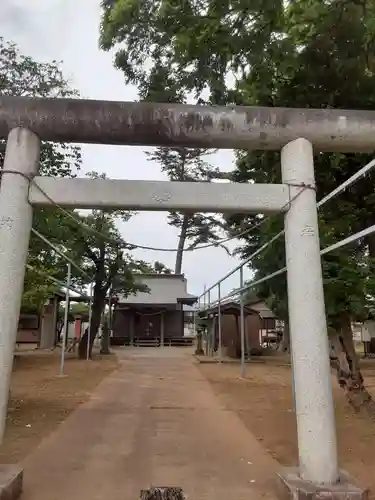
x=11 y=479
x=291 y=486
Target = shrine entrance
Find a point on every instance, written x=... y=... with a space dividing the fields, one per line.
x=25 y=122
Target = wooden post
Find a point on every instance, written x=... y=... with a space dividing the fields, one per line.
x=162 y=329
x=131 y=328
x=213 y=335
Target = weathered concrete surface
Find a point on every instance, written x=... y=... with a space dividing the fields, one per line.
x=292 y=487
x=10 y=482
x=312 y=383
x=154 y=124
x=154 y=422
x=129 y=194
x=16 y=216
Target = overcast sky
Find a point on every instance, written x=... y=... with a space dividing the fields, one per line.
x=68 y=30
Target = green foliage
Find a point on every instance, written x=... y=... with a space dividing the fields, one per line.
x=330 y=66
x=153 y=38
x=152 y=268
x=75 y=309
x=36 y=288
x=95 y=242
x=79 y=308
x=160 y=268
x=21 y=75
x=310 y=53
x=198 y=41
x=185 y=164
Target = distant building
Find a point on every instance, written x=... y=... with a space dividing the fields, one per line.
x=156 y=317
x=270 y=326
x=40 y=327
x=231 y=328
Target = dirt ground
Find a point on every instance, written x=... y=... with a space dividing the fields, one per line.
x=264 y=403
x=41 y=399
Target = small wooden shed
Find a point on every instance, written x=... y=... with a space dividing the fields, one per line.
x=231 y=328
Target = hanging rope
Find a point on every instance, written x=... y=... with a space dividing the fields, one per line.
x=151 y=314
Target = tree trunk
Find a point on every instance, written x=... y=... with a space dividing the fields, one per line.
x=105 y=342
x=97 y=309
x=59 y=331
x=371 y=244
x=349 y=375
x=181 y=244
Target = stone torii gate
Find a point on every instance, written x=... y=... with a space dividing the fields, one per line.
x=25 y=122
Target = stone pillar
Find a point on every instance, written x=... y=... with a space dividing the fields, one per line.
x=22 y=159
x=308 y=328
x=318 y=475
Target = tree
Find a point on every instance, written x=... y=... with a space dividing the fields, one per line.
x=96 y=243
x=36 y=288
x=326 y=36
x=75 y=309
x=199 y=43
x=311 y=53
x=160 y=268
x=21 y=75
x=156 y=267
x=163 y=84
x=187 y=165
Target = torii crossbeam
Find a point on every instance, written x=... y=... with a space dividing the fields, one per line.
x=154 y=124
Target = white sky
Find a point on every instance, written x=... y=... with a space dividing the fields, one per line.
x=68 y=30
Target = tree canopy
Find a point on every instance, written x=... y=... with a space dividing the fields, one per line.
x=310 y=53
x=92 y=239
x=21 y=75
x=95 y=243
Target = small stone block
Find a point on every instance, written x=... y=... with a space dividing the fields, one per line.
x=291 y=486
x=162 y=493
x=11 y=478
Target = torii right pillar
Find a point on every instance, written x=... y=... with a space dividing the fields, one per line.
x=317 y=474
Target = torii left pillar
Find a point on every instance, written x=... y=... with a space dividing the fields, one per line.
x=21 y=162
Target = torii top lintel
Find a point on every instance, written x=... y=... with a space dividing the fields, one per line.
x=155 y=124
